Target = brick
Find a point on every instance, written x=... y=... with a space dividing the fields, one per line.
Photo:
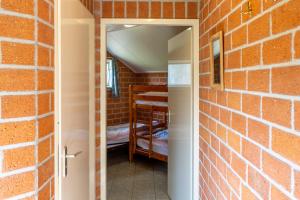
x=277 y=50
x=17 y=132
x=251 y=56
x=15 y=53
x=286 y=144
x=18 y=158
x=286 y=16
x=131 y=9
x=239 y=37
x=43 y=10
x=43 y=150
x=234 y=60
x=277 y=111
x=234 y=181
x=45 y=192
x=167 y=10
x=234 y=19
x=192 y=8
x=297 y=44
x=228 y=80
x=221 y=132
x=155 y=9
x=45 y=34
x=17 y=106
x=46 y=126
x=239 y=80
x=45 y=80
x=247 y=194
x=258 y=183
x=16 y=27
x=45 y=171
x=225 y=8
x=234 y=100
x=297 y=184
x=234 y=3
x=259 y=28
x=234 y=141
x=107 y=9
x=21 y=6
x=225 y=153
x=258 y=132
x=119 y=9
x=227 y=43
x=16 y=80
x=16 y=184
x=179 y=10
x=277 y=170
x=43 y=56
x=297 y=115
x=43 y=103
x=143 y=9
x=258 y=80
x=238 y=123
x=269 y=4
x=286 y=80
x=225 y=116
x=239 y=166
x=251 y=104
x=277 y=194
x=251 y=152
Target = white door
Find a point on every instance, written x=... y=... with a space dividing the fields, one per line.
x=180 y=121
x=76 y=84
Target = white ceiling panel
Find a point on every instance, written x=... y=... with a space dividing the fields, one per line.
x=143 y=47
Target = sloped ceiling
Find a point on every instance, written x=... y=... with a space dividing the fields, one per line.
x=144 y=47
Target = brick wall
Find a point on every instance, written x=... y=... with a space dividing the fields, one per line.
x=117 y=107
x=133 y=9
x=26 y=99
x=250 y=139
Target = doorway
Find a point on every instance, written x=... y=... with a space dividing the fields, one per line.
x=195 y=94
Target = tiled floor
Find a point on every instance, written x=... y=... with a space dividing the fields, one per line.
x=143 y=179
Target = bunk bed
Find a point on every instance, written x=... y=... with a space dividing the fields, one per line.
x=152 y=139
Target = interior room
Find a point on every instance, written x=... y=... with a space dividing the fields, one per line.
x=137 y=60
x=98 y=101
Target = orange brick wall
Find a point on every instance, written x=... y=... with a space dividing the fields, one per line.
x=26 y=99
x=117 y=107
x=250 y=132
x=134 y=9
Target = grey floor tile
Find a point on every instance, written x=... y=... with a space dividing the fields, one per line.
x=142 y=179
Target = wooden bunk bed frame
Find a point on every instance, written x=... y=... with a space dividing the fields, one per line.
x=136 y=94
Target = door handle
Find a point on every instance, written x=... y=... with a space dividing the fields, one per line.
x=66 y=156
x=73 y=155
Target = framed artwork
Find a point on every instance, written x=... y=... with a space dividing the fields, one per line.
x=216 y=61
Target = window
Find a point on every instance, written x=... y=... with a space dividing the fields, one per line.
x=109 y=73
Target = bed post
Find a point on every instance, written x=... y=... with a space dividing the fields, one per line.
x=130 y=124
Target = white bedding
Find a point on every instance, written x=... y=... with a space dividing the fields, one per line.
x=159 y=142
x=119 y=134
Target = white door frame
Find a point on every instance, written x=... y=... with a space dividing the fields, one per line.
x=194 y=23
x=90 y=21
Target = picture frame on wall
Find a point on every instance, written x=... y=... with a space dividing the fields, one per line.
x=217 y=61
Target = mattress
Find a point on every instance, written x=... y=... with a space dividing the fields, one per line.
x=159 y=142
x=119 y=134
x=152 y=103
